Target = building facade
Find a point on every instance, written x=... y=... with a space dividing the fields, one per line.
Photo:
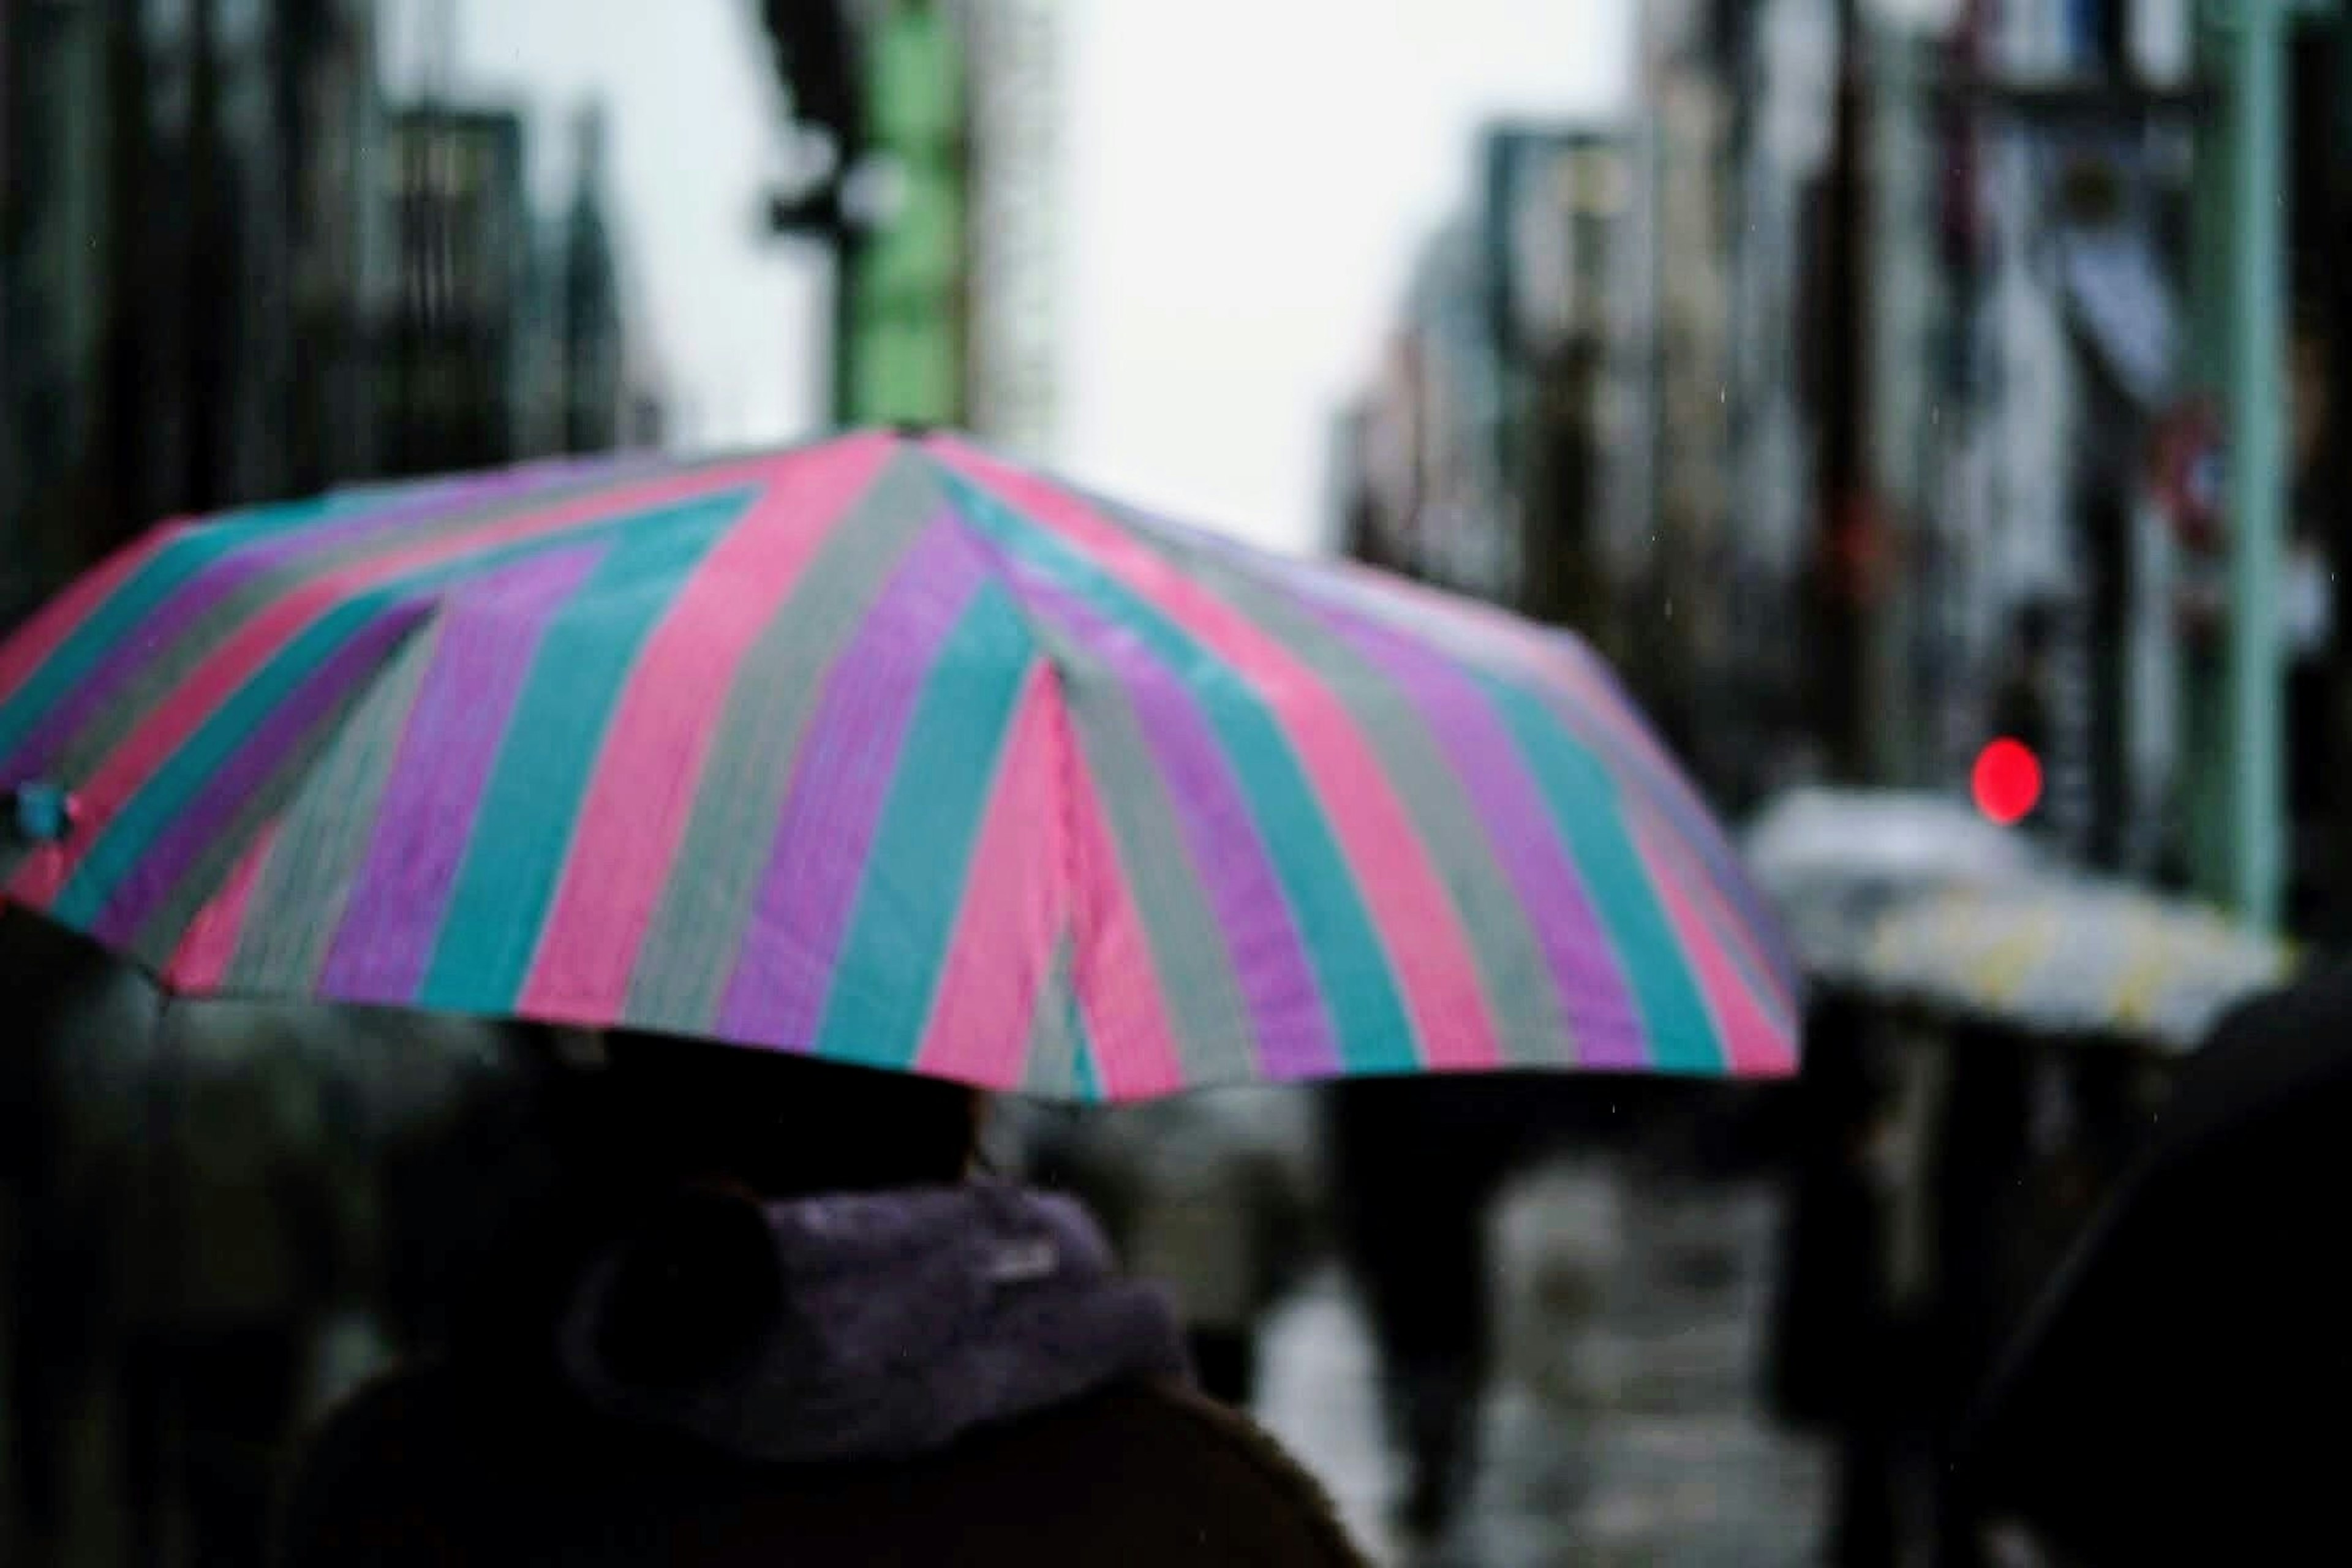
x=454 y=393
x=1014 y=52
x=191 y=254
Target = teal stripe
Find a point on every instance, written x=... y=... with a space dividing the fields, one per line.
x=1085 y=1077
x=909 y=899
x=323 y=837
x=119 y=616
x=150 y=810
x=1375 y=1033
x=256 y=522
x=1583 y=800
x=522 y=833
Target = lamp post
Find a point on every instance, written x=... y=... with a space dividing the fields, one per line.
x=2244 y=199
x=891 y=92
x=1843 y=523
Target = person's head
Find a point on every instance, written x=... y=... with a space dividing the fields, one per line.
x=666 y=1147
x=650 y=1113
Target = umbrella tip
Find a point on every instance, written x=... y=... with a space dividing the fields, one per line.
x=45 y=813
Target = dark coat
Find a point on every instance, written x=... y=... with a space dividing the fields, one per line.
x=952 y=1376
x=2178 y=1395
x=430 y=1468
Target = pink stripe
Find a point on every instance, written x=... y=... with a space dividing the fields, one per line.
x=643 y=793
x=1013 y=907
x=177 y=716
x=1723 y=918
x=422 y=821
x=205 y=951
x=1120 y=991
x=1498 y=635
x=1427 y=946
x=39 y=636
x=1754 y=1046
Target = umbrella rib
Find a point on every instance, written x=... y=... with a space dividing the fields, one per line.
x=1046 y=647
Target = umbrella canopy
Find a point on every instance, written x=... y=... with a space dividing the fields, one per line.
x=1877 y=835
x=881 y=749
x=1834 y=861
x=2073 y=956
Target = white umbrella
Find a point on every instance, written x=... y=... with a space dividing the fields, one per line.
x=2073 y=955
x=1835 y=860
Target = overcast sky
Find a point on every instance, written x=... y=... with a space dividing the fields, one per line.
x=1246 y=183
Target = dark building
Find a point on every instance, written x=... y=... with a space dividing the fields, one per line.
x=52 y=264
x=10 y=94
x=1490 y=454
x=1556 y=204
x=591 y=339
x=456 y=349
x=339 y=235
x=189 y=261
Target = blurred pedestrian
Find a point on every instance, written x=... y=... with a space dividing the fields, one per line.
x=773 y=1321
x=227 y=1229
x=452 y=1181
x=1411 y=1178
x=1416 y=1165
x=50 y=1274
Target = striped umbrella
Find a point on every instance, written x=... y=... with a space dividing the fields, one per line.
x=881 y=749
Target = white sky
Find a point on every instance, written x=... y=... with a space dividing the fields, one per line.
x=1247 y=184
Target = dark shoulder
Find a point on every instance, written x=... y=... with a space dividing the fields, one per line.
x=412 y=1412
x=418 y=1465
x=1184 y=1437
x=388 y=1465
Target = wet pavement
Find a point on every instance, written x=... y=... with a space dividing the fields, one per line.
x=1624 y=1427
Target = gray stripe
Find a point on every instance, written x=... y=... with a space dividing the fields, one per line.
x=1049 y=1060
x=131 y=704
x=298 y=903
x=689 y=951
x=1518 y=982
x=1215 y=1039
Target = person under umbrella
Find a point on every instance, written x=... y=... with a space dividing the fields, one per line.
x=770 y=1319
x=886 y=751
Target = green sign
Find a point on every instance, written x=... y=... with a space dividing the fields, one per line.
x=902 y=350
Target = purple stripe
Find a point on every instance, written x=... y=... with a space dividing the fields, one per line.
x=1594 y=705
x=490 y=633
x=841 y=773
x=1614 y=727
x=197 y=826
x=1609 y=722
x=1261 y=933
x=214 y=582
x=1594 y=993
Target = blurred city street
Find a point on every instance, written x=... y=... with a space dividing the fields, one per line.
x=1588 y=711
x=1624 y=1427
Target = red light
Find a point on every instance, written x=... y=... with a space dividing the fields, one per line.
x=2008 y=781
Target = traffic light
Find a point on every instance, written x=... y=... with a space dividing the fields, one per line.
x=2007 y=781
x=2008 y=777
